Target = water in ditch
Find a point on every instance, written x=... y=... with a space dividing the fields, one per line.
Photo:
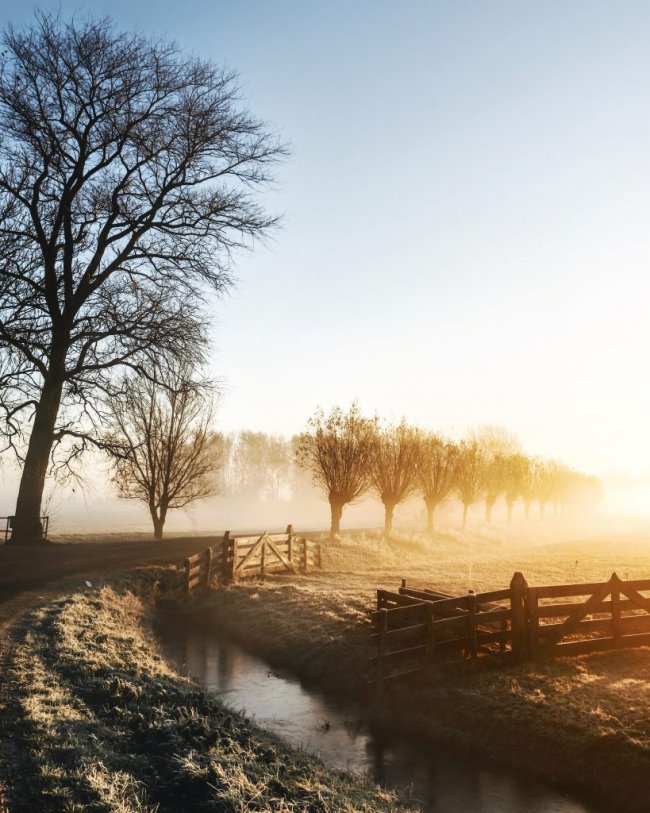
x=436 y=782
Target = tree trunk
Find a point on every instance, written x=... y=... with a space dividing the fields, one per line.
x=158 y=518
x=489 y=505
x=431 y=506
x=336 y=506
x=27 y=528
x=389 y=509
x=465 y=509
x=510 y=503
x=527 y=509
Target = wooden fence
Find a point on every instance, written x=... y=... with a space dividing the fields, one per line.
x=9 y=524
x=417 y=629
x=245 y=556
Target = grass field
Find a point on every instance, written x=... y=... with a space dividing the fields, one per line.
x=95 y=720
x=580 y=722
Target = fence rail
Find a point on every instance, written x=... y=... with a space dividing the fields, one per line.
x=240 y=557
x=416 y=629
x=9 y=524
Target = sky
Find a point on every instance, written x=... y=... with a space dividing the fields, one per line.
x=466 y=215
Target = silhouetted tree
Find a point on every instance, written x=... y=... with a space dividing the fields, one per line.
x=393 y=466
x=437 y=462
x=126 y=171
x=164 y=451
x=470 y=475
x=338 y=449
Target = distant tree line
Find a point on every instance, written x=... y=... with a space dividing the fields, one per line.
x=351 y=456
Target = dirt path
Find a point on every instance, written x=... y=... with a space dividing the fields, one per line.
x=31 y=573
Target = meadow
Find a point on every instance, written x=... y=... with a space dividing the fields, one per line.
x=98 y=720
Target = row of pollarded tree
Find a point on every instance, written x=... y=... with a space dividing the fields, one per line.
x=351 y=455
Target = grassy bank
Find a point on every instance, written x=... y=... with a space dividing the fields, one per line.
x=581 y=723
x=94 y=720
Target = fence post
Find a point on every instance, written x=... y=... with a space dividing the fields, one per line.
x=188 y=565
x=290 y=542
x=304 y=554
x=319 y=549
x=471 y=622
x=518 y=590
x=208 y=569
x=533 y=621
x=616 y=610
x=263 y=555
x=381 y=644
x=431 y=641
x=228 y=558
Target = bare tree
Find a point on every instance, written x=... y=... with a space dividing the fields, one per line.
x=529 y=484
x=517 y=473
x=393 y=466
x=497 y=443
x=470 y=475
x=164 y=451
x=338 y=449
x=495 y=482
x=126 y=179
x=436 y=471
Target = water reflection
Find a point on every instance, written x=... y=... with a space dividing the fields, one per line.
x=438 y=783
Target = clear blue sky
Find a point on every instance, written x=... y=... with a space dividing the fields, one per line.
x=467 y=214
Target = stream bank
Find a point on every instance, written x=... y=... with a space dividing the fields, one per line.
x=577 y=724
x=95 y=720
x=436 y=780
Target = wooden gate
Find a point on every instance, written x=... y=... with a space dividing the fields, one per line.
x=244 y=556
x=614 y=615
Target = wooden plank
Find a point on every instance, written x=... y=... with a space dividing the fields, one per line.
x=385 y=596
x=637 y=584
x=195 y=582
x=548 y=633
x=436 y=593
x=430 y=644
x=400 y=632
x=561 y=590
x=286 y=563
x=635 y=623
x=471 y=625
x=616 y=611
x=493 y=595
x=278 y=538
x=499 y=637
x=440 y=606
x=576 y=615
x=493 y=615
x=533 y=621
x=557 y=610
x=635 y=597
x=250 y=553
x=424 y=595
